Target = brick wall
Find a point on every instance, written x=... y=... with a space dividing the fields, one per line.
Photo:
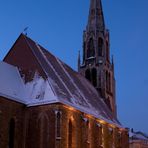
x=36 y=128
x=11 y=110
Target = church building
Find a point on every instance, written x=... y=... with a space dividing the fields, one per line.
x=44 y=103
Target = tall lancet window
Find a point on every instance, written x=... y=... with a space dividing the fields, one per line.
x=58 y=124
x=94 y=77
x=43 y=126
x=107 y=51
x=100 y=135
x=88 y=132
x=119 y=139
x=70 y=133
x=111 y=140
x=90 y=48
x=100 y=46
x=11 y=133
x=99 y=81
x=88 y=74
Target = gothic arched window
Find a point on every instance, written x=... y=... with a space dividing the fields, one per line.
x=88 y=132
x=119 y=139
x=94 y=77
x=100 y=46
x=88 y=75
x=43 y=126
x=100 y=134
x=111 y=136
x=58 y=124
x=11 y=133
x=70 y=133
x=107 y=51
x=90 y=48
x=99 y=81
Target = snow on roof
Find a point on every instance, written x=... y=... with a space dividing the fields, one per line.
x=138 y=136
x=10 y=82
x=13 y=87
x=63 y=85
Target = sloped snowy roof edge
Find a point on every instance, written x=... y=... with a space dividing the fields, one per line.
x=15 y=99
x=92 y=114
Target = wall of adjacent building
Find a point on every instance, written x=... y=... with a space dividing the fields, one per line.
x=138 y=144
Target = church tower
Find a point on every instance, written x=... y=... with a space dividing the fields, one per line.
x=96 y=64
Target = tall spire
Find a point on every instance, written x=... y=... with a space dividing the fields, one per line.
x=96 y=65
x=96 y=18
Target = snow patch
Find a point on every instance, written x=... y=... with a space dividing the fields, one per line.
x=39 y=90
x=10 y=82
x=34 y=92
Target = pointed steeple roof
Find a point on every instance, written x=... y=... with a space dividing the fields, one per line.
x=96 y=17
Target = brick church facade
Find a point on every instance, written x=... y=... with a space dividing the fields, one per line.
x=45 y=103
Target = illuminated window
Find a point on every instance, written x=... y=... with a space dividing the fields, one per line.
x=111 y=141
x=70 y=133
x=88 y=132
x=101 y=136
x=11 y=133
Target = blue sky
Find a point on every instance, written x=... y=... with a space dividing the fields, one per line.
x=58 y=26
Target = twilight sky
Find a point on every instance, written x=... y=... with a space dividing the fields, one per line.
x=58 y=26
